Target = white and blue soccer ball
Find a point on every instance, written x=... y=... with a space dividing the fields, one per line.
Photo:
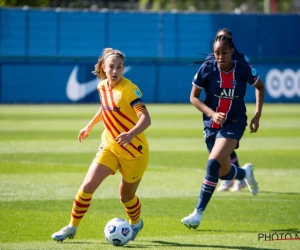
x=118 y=232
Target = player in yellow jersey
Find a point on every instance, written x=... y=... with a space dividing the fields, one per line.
x=123 y=144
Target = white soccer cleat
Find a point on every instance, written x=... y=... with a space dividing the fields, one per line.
x=193 y=220
x=225 y=185
x=249 y=178
x=136 y=228
x=238 y=186
x=65 y=232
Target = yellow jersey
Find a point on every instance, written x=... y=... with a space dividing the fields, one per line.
x=120 y=106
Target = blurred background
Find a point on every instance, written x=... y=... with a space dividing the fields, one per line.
x=236 y=6
x=48 y=48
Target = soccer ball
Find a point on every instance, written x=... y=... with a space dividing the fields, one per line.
x=118 y=232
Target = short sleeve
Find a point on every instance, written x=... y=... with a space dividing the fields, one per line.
x=200 y=77
x=135 y=96
x=252 y=75
x=210 y=57
x=246 y=59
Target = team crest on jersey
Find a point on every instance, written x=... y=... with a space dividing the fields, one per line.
x=234 y=82
x=117 y=97
x=137 y=93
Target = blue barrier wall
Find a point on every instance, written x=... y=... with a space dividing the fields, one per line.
x=160 y=82
x=45 y=54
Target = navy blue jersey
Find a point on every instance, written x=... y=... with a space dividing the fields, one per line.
x=240 y=57
x=225 y=91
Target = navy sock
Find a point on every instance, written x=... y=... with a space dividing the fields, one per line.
x=234 y=173
x=209 y=183
x=234 y=159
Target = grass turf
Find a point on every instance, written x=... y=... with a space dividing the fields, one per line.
x=42 y=165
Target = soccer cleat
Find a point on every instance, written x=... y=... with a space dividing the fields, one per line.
x=65 y=232
x=238 y=186
x=225 y=185
x=136 y=228
x=249 y=178
x=193 y=220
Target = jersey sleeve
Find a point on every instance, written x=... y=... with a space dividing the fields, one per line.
x=252 y=75
x=210 y=57
x=245 y=59
x=201 y=76
x=135 y=99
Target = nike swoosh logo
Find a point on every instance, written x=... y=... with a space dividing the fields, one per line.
x=76 y=91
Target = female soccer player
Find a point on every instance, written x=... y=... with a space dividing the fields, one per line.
x=225 y=120
x=123 y=144
x=242 y=58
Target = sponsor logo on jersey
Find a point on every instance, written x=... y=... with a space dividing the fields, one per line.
x=114 y=109
x=227 y=94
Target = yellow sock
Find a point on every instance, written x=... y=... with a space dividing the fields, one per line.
x=81 y=204
x=133 y=210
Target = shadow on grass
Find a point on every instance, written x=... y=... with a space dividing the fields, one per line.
x=135 y=246
x=286 y=193
x=163 y=244
x=288 y=230
x=176 y=244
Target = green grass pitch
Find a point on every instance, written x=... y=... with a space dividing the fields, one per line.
x=42 y=165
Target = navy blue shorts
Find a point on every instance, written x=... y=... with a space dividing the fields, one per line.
x=210 y=135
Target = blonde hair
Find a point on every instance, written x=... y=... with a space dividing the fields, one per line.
x=98 y=70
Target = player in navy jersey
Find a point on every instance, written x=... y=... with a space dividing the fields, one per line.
x=242 y=58
x=224 y=116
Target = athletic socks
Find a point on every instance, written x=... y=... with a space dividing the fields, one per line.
x=133 y=210
x=81 y=204
x=209 y=184
x=234 y=173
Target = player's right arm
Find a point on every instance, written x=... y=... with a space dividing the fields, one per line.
x=217 y=117
x=84 y=133
x=198 y=85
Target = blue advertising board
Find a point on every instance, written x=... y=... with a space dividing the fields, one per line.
x=160 y=82
x=48 y=55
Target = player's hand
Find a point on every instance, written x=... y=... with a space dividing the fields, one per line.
x=84 y=133
x=124 y=138
x=254 y=124
x=218 y=117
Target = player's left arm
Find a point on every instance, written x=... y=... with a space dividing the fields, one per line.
x=142 y=124
x=259 y=96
